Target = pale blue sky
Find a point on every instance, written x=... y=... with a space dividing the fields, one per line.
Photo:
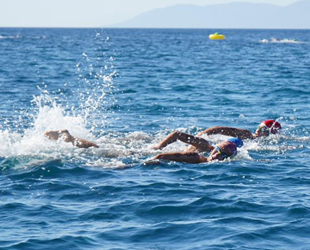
x=89 y=13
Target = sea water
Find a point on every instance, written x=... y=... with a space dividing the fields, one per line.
x=125 y=90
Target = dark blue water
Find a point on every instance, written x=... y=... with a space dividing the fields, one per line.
x=126 y=89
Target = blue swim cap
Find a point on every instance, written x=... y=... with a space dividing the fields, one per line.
x=237 y=141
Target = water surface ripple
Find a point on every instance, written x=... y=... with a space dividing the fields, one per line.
x=127 y=89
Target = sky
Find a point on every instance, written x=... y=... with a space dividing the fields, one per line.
x=90 y=13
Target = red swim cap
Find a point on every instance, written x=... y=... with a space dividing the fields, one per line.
x=273 y=125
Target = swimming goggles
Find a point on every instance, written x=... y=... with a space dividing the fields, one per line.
x=263 y=128
x=224 y=155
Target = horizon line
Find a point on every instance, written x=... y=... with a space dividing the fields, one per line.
x=68 y=27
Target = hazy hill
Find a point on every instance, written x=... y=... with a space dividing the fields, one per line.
x=232 y=15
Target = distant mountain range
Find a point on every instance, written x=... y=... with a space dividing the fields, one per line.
x=232 y=15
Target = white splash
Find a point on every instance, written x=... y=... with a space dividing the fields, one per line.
x=277 y=40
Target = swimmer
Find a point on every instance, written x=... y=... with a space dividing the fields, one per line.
x=67 y=137
x=227 y=149
x=194 y=154
x=264 y=129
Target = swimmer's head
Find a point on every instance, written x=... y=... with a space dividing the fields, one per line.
x=267 y=127
x=224 y=150
x=238 y=142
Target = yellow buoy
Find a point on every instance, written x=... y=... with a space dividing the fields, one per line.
x=216 y=36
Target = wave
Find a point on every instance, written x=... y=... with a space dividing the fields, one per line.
x=10 y=37
x=277 y=40
x=65 y=241
x=21 y=37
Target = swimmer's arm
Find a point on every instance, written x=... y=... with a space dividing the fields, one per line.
x=234 y=132
x=67 y=137
x=188 y=157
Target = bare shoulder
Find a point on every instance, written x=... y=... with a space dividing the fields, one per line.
x=55 y=135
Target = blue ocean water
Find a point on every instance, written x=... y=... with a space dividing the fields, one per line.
x=126 y=89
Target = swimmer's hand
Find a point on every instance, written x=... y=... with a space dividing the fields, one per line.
x=156 y=147
x=81 y=143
